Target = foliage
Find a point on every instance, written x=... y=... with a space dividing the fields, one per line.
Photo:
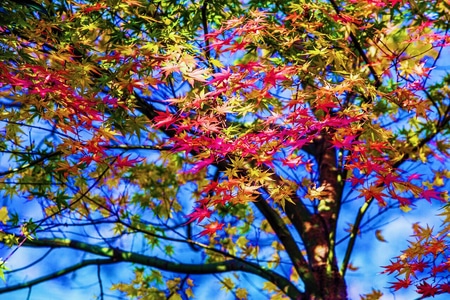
x=239 y=133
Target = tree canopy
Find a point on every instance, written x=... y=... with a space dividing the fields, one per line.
x=191 y=138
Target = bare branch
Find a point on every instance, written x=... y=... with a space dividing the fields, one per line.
x=57 y=274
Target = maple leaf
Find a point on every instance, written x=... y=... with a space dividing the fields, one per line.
x=436 y=247
x=4 y=214
x=417 y=266
x=199 y=165
x=439 y=269
x=374 y=295
x=250 y=66
x=211 y=228
x=199 y=214
x=293 y=162
x=276 y=75
x=395 y=266
x=221 y=77
x=164 y=118
x=345 y=143
x=430 y=194
x=374 y=192
x=401 y=284
x=354 y=180
x=241 y=294
x=91 y=8
x=352 y=267
x=125 y=161
x=445 y=287
x=388 y=178
x=427 y=290
x=199 y=75
x=422 y=233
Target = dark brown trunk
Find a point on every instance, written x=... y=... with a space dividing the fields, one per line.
x=320 y=237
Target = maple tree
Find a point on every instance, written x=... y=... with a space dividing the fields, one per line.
x=236 y=132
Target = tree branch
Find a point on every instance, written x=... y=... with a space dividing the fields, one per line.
x=117 y=255
x=282 y=232
x=57 y=274
x=31 y=164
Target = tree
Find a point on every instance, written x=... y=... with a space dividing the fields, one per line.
x=238 y=133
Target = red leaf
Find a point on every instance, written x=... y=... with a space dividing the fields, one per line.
x=396 y=266
x=346 y=143
x=401 y=284
x=211 y=228
x=356 y=181
x=445 y=288
x=430 y=194
x=220 y=77
x=126 y=161
x=418 y=266
x=199 y=214
x=427 y=290
x=164 y=118
x=198 y=166
x=414 y=176
x=374 y=192
x=277 y=75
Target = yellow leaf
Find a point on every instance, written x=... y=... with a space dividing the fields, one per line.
x=269 y=286
x=241 y=293
x=190 y=282
x=316 y=193
x=4 y=215
x=242 y=242
x=189 y=293
x=277 y=246
x=227 y=284
x=405 y=208
x=374 y=295
x=216 y=63
x=265 y=226
x=294 y=275
x=172 y=284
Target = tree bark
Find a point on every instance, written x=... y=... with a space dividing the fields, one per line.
x=320 y=233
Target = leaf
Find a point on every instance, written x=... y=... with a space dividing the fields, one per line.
x=227 y=284
x=169 y=250
x=379 y=236
x=3 y=268
x=199 y=214
x=374 y=295
x=32 y=4
x=400 y=284
x=241 y=294
x=294 y=277
x=211 y=228
x=242 y=242
x=427 y=290
x=430 y=194
x=4 y=217
x=351 y=267
x=269 y=286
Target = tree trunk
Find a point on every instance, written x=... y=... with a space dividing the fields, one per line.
x=321 y=234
